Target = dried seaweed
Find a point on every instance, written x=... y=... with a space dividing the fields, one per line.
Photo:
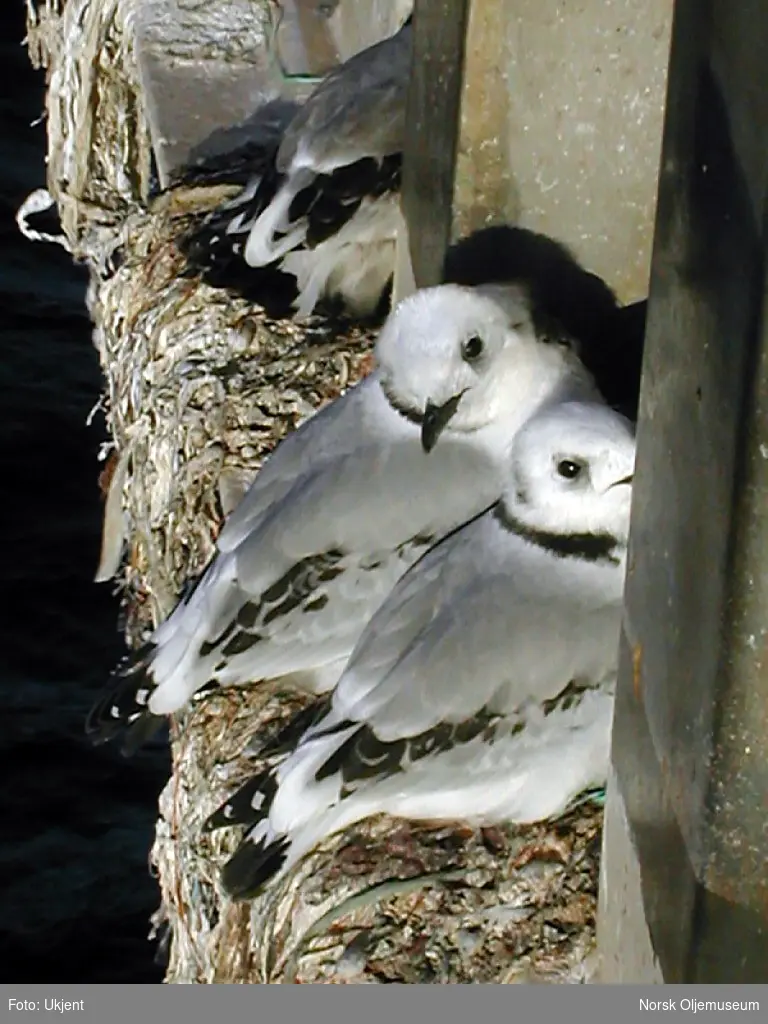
x=199 y=386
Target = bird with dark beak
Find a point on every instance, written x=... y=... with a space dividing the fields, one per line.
x=436 y=419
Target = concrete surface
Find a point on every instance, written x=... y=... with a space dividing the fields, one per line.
x=623 y=937
x=587 y=81
x=561 y=110
x=561 y=114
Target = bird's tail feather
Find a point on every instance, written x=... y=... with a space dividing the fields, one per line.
x=220 y=235
x=272 y=233
x=251 y=803
x=252 y=865
x=248 y=805
x=216 y=254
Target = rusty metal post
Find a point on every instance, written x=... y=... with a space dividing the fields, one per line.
x=432 y=133
x=684 y=889
x=456 y=173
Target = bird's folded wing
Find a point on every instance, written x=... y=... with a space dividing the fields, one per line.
x=485 y=646
x=357 y=111
x=330 y=434
x=367 y=504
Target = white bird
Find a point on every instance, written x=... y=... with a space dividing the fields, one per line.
x=349 y=501
x=322 y=210
x=482 y=689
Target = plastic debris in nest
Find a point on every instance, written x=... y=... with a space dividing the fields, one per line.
x=201 y=386
x=99 y=152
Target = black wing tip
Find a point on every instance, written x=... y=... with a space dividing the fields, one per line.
x=251 y=866
x=118 y=713
x=239 y=809
x=140 y=732
x=221 y=267
x=287 y=738
x=102 y=729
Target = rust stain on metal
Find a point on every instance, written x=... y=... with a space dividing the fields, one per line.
x=637 y=677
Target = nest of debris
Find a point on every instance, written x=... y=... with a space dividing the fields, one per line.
x=199 y=387
x=386 y=901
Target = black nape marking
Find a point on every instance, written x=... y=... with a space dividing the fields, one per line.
x=251 y=866
x=239 y=808
x=295 y=588
x=414 y=416
x=591 y=547
x=364 y=756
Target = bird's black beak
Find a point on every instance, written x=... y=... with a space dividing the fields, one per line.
x=624 y=480
x=435 y=421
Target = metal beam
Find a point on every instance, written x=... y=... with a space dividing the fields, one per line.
x=691 y=725
x=429 y=158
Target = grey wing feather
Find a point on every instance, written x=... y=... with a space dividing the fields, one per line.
x=383 y=494
x=357 y=111
x=489 y=641
x=329 y=434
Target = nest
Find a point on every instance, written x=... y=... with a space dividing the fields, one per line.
x=386 y=901
x=199 y=387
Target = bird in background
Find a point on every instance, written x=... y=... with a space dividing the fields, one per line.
x=317 y=221
x=482 y=688
x=236 y=155
x=349 y=501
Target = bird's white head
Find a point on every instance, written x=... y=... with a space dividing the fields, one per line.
x=571 y=472
x=462 y=359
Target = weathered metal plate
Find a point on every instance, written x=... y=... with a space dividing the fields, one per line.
x=691 y=726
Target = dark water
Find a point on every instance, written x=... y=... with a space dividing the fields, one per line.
x=77 y=823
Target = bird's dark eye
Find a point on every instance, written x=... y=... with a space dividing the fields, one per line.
x=472 y=349
x=569 y=469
